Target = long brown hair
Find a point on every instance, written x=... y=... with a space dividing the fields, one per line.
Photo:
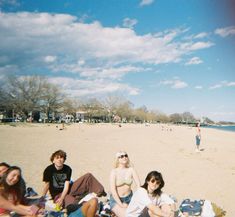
x=18 y=189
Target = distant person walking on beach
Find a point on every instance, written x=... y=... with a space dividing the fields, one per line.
x=57 y=178
x=198 y=137
x=121 y=179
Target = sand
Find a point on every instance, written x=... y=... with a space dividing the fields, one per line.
x=209 y=174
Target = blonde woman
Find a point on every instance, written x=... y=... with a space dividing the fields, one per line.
x=121 y=179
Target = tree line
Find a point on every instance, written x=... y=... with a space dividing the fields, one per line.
x=26 y=96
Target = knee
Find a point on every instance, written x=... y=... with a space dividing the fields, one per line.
x=166 y=208
x=88 y=175
x=93 y=201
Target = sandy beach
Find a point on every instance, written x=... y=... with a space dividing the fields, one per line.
x=209 y=174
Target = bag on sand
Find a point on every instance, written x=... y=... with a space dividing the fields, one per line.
x=192 y=208
x=202 y=208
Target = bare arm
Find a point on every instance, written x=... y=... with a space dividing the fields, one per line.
x=113 y=189
x=45 y=188
x=156 y=211
x=198 y=132
x=64 y=193
x=23 y=210
x=136 y=178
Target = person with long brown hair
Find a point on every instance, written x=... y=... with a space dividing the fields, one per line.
x=12 y=189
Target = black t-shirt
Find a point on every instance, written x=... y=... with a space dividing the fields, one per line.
x=56 y=178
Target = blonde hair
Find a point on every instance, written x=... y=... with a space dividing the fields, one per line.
x=118 y=154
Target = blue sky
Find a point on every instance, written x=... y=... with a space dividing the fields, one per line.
x=172 y=56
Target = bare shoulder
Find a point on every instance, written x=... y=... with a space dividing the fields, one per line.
x=114 y=172
x=131 y=169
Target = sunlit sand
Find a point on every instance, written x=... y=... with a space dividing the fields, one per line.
x=209 y=174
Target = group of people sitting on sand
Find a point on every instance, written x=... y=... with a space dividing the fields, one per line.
x=147 y=200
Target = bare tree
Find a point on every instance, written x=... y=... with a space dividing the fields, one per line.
x=95 y=110
x=30 y=93
x=51 y=99
x=125 y=111
x=118 y=105
x=188 y=117
x=176 y=118
x=23 y=94
x=141 y=114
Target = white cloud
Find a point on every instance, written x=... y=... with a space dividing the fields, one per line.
x=81 y=62
x=129 y=23
x=224 y=32
x=50 y=59
x=194 y=61
x=175 y=83
x=201 y=35
x=200 y=45
x=97 y=72
x=78 y=87
x=222 y=84
x=146 y=2
x=91 y=51
x=230 y=84
x=216 y=86
x=198 y=87
x=62 y=35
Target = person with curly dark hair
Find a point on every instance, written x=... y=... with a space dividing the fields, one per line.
x=149 y=200
x=12 y=189
x=57 y=180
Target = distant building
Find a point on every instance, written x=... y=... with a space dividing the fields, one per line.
x=80 y=116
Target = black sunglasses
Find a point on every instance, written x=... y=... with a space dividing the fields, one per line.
x=123 y=155
x=155 y=181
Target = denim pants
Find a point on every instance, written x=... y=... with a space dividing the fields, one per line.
x=126 y=200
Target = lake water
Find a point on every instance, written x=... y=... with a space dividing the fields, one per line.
x=227 y=128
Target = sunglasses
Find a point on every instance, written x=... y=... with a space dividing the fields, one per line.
x=123 y=155
x=153 y=181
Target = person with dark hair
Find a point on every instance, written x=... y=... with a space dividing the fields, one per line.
x=3 y=168
x=57 y=179
x=149 y=200
x=12 y=188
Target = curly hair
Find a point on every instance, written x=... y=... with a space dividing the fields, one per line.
x=18 y=189
x=157 y=176
x=60 y=153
